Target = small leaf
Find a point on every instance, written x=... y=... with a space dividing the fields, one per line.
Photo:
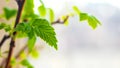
x=9 y=13
x=26 y=63
x=76 y=9
x=42 y=10
x=51 y=15
x=83 y=16
x=2 y=25
x=93 y=22
x=35 y=54
x=31 y=43
x=66 y=22
x=45 y=31
x=5 y=27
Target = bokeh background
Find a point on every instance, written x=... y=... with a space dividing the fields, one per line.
x=79 y=45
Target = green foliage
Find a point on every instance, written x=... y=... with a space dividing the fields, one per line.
x=83 y=16
x=93 y=22
x=26 y=63
x=41 y=28
x=42 y=10
x=31 y=43
x=76 y=9
x=35 y=53
x=5 y=27
x=51 y=14
x=9 y=12
x=45 y=31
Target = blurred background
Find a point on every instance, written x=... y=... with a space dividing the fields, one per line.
x=79 y=45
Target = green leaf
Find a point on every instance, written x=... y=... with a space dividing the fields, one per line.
x=66 y=22
x=31 y=43
x=9 y=12
x=83 y=16
x=28 y=10
x=51 y=14
x=35 y=53
x=2 y=25
x=93 y=22
x=26 y=63
x=45 y=31
x=76 y=9
x=42 y=10
x=5 y=27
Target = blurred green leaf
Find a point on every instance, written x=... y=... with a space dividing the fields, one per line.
x=26 y=63
x=44 y=30
x=28 y=10
x=5 y=27
x=9 y=12
x=51 y=14
x=93 y=22
x=42 y=10
x=13 y=61
x=76 y=9
x=35 y=53
x=83 y=16
x=66 y=22
x=31 y=43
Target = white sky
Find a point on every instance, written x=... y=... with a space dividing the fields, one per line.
x=57 y=5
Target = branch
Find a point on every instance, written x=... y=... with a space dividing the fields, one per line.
x=4 y=39
x=12 y=43
x=59 y=21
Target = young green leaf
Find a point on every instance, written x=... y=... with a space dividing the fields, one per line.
x=31 y=43
x=9 y=12
x=76 y=9
x=35 y=54
x=26 y=63
x=51 y=14
x=83 y=16
x=5 y=27
x=44 y=30
x=93 y=22
x=42 y=10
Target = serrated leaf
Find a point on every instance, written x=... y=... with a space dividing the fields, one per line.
x=93 y=22
x=31 y=43
x=51 y=14
x=76 y=9
x=45 y=31
x=42 y=10
x=9 y=12
x=83 y=16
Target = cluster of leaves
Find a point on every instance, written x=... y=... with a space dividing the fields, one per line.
x=34 y=25
x=92 y=20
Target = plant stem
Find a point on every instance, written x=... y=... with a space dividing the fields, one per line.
x=12 y=43
x=4 y=39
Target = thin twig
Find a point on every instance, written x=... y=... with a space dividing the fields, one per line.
x=12 y=43
x=4 y=39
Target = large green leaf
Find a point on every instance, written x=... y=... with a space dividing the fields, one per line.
x=93 y=22
x=42 y=10
x=9 y=12
x=44 y=30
